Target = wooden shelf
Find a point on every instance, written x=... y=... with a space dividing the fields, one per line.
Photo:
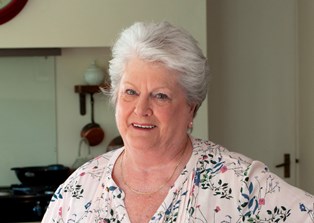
x=89 y=89
x=27 y=52
x=82 y=90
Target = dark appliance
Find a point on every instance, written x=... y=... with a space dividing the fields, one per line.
x=28 y=201
x=19 y=203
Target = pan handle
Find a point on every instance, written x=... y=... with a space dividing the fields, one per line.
x=82 y=104
x=92 y=107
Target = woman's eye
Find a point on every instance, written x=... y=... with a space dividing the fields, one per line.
x=130 y=92
x=161 y=96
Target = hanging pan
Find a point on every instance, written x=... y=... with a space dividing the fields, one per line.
x=92 y=131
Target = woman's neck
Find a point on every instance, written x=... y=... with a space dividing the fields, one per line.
x=147 y=175
x=148 y=160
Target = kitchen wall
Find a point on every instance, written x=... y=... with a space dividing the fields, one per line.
x=81 y=23
x=85 y=30
x=70 y=69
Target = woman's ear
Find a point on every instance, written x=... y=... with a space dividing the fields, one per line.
x=193 y=110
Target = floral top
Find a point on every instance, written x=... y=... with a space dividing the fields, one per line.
x=216 y=186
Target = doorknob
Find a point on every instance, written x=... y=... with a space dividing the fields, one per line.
x=286 y=165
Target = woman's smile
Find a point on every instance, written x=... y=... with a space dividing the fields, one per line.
x=143 y=126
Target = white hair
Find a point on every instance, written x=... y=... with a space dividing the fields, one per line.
x=165 y=43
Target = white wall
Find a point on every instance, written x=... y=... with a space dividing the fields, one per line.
x=81 y=23
x=85 y=30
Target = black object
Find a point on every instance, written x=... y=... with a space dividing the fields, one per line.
x=42 y=175
x=286 y=165
x=19 y=203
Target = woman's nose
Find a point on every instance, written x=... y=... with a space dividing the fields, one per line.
x=143 y=107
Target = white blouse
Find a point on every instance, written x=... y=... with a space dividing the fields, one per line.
x=216 y=186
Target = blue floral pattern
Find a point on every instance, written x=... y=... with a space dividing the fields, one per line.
x=216 y=186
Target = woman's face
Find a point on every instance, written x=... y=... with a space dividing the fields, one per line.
x=151 y=109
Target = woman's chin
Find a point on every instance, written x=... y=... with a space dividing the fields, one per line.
x=141 y=142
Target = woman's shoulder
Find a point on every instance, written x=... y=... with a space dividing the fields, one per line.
x=213 y=151
x=215 y=159
x=76 y=194
x=88 y=177
x=99 y=165
x=260 y=194
x=93 y=171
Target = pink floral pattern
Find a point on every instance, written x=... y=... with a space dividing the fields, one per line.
x=216 y=186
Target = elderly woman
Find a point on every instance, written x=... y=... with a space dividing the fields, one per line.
x=159 y=79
